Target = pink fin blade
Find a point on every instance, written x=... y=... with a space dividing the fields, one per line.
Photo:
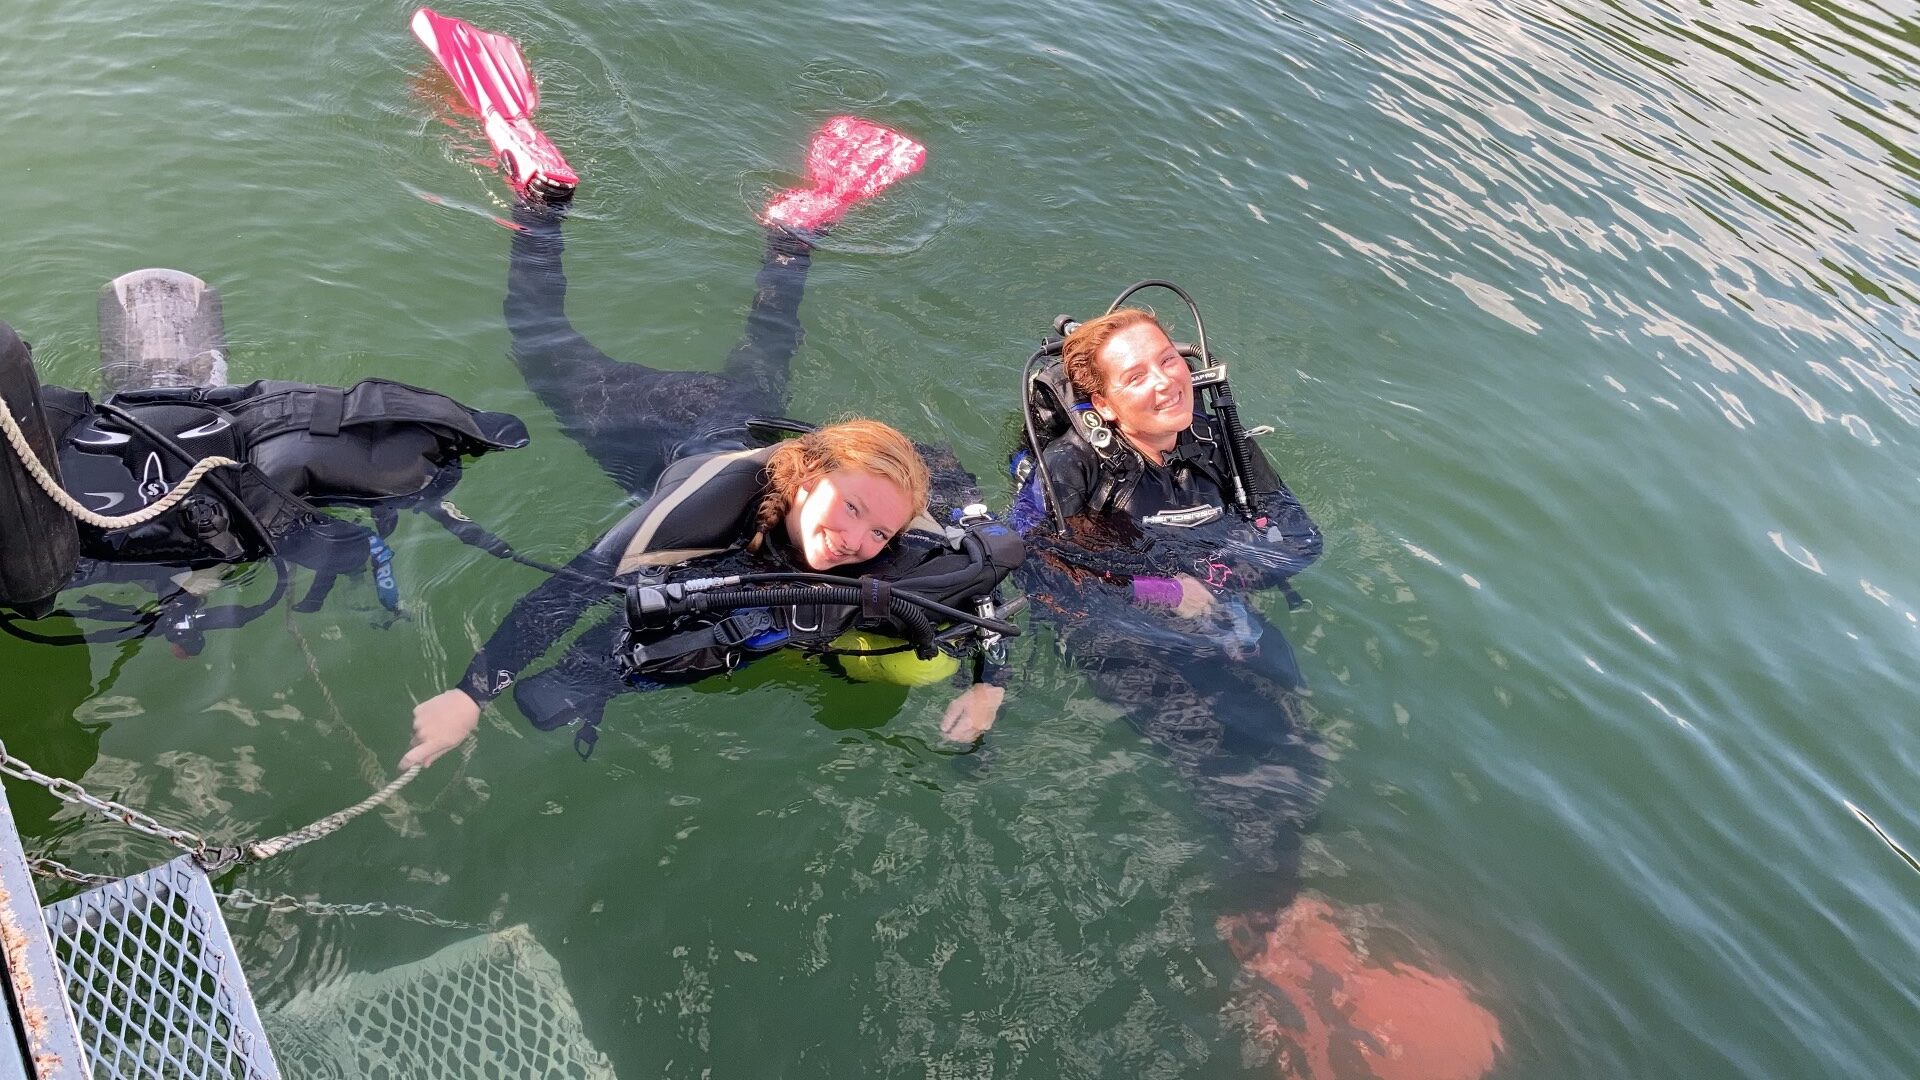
x=487 y=68
x=491 y=74
x=1395 y=1021
x=860 y=157
x=850 y=160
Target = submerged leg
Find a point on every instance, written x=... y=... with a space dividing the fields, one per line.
x=549 y=351
x=1238 y=737
x=760 y=364
x=633 y=418
x=627 y=415
x=849 y=161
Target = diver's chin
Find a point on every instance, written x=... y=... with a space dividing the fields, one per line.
x=824 y=558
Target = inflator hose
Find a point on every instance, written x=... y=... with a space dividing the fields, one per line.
x=916 y=627
x=812 y=594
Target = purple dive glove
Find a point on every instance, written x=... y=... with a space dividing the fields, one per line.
x=1164 y=591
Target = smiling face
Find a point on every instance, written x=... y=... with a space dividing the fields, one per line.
x=845 y=517
x=1148 y=392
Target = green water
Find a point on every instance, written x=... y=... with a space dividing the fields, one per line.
x=1590 y=333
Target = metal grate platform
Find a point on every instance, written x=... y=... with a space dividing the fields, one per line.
x=492 y=1007
x=155 y=986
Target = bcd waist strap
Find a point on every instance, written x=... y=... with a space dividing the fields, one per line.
x=707 y=649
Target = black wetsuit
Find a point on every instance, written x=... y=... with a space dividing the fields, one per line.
x=1219 y=694
x=651 y=430
x=632 y=418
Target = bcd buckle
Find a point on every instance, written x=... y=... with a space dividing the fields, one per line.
x=743 y=626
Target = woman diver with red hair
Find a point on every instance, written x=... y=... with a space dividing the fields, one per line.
x=1151 y=520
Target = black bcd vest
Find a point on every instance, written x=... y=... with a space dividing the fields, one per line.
x=302 y=447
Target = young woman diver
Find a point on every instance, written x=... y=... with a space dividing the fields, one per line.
x=1152 y=519
x=739 y=497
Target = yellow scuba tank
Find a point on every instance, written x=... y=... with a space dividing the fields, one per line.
x=903 y=667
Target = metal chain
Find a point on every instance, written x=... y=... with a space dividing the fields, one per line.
x=242 y=900
x=51 y=869
x=245 y=900
x=67 y=791
x=211 y=859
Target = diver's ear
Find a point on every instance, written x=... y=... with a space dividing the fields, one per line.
x=1099 y=403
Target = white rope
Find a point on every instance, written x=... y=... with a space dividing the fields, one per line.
x=18 y=440
x=267 y=849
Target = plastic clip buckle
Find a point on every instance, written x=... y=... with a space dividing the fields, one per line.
x=742 y=626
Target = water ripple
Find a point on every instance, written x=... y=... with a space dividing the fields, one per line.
x=1517 y=118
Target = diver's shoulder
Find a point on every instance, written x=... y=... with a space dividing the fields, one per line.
x=1071 y=452
x=1204 y=429
x=702 y=503
x=721 y=468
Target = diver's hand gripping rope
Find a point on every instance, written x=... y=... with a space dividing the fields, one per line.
x=18 y=440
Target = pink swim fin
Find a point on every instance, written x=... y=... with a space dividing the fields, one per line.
x=851 y=159
x=492 y=76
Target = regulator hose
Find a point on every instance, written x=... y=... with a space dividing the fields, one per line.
x=811 y=592
x=1049 y=503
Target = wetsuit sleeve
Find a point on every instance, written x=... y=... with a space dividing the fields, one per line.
x=992 y=672
x=537 y=621
x=1057 y=571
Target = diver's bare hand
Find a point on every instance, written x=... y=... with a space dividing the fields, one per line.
x=1196 y=600
x=440 y=723
x=970 y=715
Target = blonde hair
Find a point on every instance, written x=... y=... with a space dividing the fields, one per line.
x=1081 y=352
x=867 y=446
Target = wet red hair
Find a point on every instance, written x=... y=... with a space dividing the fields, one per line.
x=1081 y=353
x=867 y=446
